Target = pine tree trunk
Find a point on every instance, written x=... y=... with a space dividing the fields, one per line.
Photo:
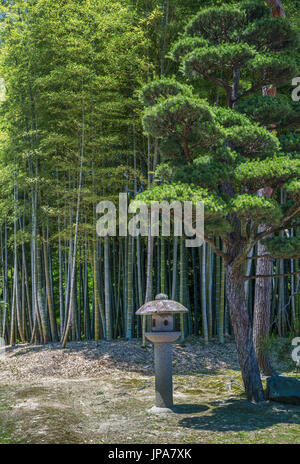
x=262 y=311
x=277 y=8
x=264 y=266
x=243 y=333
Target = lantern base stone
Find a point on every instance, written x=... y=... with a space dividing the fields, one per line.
x=156 y=410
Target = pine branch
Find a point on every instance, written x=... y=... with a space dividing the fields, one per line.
x=215 y=249
x=252 y=89
x=259 y=257
x=219 y=82
x=283 y=226
x=271 y=275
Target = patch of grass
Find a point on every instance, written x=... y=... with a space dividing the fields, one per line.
x=210 y=407
x=133 y=382
x=5 y=429
x=194 y=391
x=5 y=436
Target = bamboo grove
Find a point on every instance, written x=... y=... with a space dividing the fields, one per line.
x=71 y=135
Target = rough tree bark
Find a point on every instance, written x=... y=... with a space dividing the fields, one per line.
x=262 y=310
x=277 y=8
x=264 y=266
x=242 y=328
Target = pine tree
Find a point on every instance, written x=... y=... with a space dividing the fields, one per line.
x=223 y=155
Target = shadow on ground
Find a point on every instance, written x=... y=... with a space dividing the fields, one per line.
x=189 y=408
x=240 y=415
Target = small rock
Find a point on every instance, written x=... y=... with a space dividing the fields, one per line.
x=283 y=389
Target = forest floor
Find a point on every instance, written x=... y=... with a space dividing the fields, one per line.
x=88 y=393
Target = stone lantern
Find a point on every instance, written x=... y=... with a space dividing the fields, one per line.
x=162 y=334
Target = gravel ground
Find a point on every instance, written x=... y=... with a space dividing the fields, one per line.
x=88 y=359
x=102 y=393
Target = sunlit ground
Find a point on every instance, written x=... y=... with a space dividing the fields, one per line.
x=85 y=395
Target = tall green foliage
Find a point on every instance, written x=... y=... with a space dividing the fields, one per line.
x=239 y=43
x=71 y=135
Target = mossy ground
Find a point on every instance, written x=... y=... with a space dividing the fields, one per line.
x=114 y=408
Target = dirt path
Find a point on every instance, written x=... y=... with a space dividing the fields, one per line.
x=88 y=399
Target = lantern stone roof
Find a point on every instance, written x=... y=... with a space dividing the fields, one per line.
x=161 y=305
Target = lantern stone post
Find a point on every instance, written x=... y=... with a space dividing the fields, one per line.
x=162 y=335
